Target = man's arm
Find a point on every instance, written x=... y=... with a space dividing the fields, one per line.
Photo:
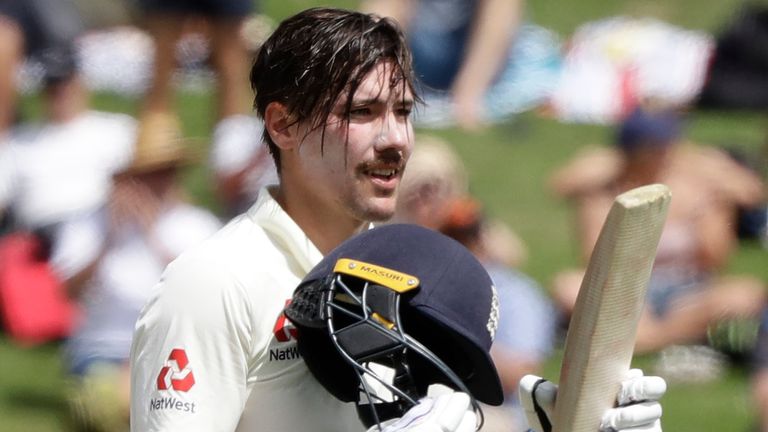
x=189 y=359
x=486 y=53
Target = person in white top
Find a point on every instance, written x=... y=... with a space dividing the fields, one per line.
x=212 y=350
x=109 y=261
x=62 y=166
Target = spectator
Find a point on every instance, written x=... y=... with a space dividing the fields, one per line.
x=525 y=335
x=238 y=159
x=53 y=171
x=167 y=21
x=436 y=178
x=478 y=60
x=687 y=292
x=435 y=194
x=62 y=166
x=110 y=260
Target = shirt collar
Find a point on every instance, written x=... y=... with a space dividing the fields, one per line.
x=268 y=214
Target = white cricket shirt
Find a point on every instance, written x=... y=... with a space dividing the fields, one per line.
x=212 y=342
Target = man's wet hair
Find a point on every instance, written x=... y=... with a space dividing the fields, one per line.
x=318 y=54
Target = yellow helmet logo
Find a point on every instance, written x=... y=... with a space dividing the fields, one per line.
x=389 y=278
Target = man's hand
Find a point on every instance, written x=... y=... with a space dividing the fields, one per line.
x=451 y=412
x=637 y=406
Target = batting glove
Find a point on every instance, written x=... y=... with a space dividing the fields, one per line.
x=637 y=408
x=451 y=412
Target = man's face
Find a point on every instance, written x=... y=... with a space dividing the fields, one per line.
x=357 y=167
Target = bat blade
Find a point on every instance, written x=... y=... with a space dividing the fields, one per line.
x=601 y=335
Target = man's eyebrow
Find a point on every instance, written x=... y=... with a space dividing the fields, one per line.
x=368 y=101
x=374 y=100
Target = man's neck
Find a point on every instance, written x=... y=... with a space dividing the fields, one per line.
x=325 y=226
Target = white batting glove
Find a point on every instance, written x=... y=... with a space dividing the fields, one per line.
x=537 y=397
x=637 y=409
x=451 y=412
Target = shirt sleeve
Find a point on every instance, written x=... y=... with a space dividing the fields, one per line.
x=191 y=350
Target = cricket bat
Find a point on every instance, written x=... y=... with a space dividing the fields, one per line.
x=601 y=334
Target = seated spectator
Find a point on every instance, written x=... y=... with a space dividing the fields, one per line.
x=52 y=171
x=110 y=261
x=62 y=165
x=525 y=336
x=687 y=292
x=434 y=193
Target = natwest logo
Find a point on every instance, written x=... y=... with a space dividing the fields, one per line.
x=175 y=374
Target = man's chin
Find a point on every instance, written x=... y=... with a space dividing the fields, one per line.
x=379 y=211
x=379 y=216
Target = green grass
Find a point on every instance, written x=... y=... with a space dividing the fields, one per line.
x=722 y=405
x=32 y=394
x=509 y=165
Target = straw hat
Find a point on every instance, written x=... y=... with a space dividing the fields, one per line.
x=159 y=144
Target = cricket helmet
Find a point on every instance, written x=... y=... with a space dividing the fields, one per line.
x=390 y=312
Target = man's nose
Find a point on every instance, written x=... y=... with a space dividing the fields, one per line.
x=396 y=133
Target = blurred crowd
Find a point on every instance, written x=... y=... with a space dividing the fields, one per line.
x=92 y=205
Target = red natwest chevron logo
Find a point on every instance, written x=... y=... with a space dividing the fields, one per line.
x=175 y=373
x=284 y=329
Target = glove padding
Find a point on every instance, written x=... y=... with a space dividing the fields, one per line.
x=450 y=412
x=637 y=409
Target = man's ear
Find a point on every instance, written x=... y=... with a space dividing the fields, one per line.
x=280 y=126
